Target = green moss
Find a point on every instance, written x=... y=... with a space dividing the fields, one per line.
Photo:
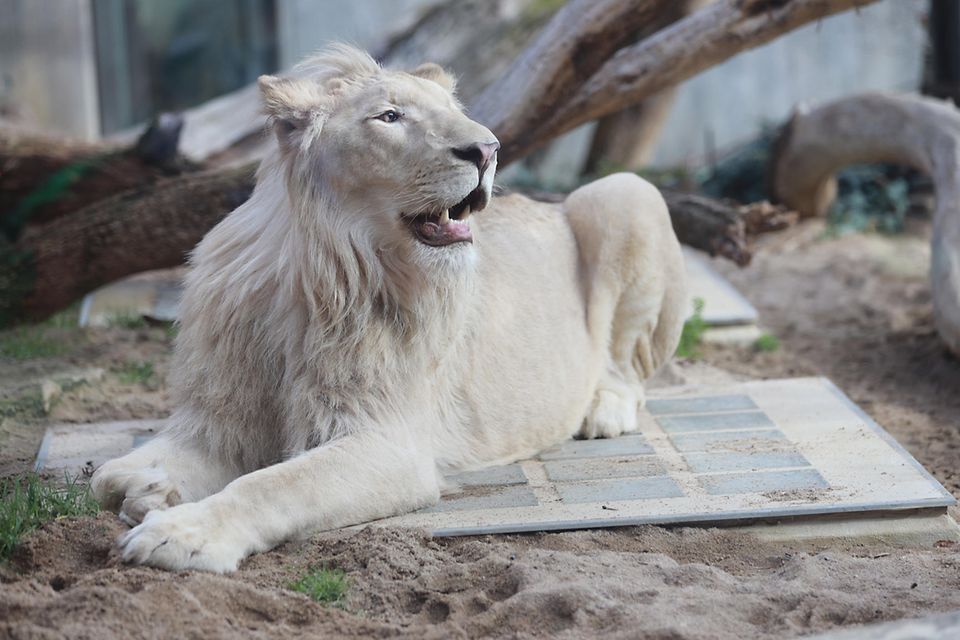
x=127 y=320
x=27 y=343
x=327 y=586
x=28 y=502
x=767 y=342
x=26 y=406
x=693 y=330
x=135 y=372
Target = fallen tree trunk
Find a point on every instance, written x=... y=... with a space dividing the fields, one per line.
x=583 y=65
x=42 y=179
x=580 y=70
x=923 y=133
x=64 y=259
x=624 y=141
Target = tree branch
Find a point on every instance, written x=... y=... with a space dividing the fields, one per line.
x=682 y=50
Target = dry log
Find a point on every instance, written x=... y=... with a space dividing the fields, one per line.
x=152 y=227
x=42 y=179
x=923 y=133
x=580 y=72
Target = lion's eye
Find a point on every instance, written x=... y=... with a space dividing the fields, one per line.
x=389 y=116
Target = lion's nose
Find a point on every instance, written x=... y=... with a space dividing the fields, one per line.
x=479 y=153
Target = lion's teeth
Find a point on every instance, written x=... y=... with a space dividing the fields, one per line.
x=445 y=216
x=466 y=213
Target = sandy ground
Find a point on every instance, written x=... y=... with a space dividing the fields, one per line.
x=856 y=309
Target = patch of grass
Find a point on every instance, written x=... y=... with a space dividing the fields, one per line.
x=326 y=586
x=43 y=340
x=28 y=502
x=29 y=405
x=693 y=330
x=767 y=342
x=135 y=372
x=171 y=329
x=127 y=320
x=27 y=343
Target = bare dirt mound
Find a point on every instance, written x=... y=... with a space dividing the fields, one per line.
x=646 y=581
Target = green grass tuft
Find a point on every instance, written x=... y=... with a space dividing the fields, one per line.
x=767 y=342
x=49 y=338
x=126 y=320
x=28 y=502
x=29 y=405
x=28 y=343
x=135 y=372
x=327 y=586
x=693 y=330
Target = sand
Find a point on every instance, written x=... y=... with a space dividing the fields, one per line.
x=856 y=309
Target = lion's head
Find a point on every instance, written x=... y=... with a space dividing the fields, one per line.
x=392 y=150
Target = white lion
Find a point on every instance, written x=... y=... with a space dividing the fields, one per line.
x=352 y=331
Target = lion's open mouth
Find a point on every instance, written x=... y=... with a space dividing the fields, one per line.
x=451 y=225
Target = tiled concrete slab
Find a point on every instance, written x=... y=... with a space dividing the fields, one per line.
x=745 y=441
x=76 y=448
x=482 y=498
x=757 y=451
x=628 y=444
x=601 y=468
x=782 y=482
x=706 y=404
x=715 y=461
x=605 y=491
x=502 y=475
x=715 y=422
x=813 y=453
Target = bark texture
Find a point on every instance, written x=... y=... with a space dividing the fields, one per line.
x=581 y=67
x=923 y=133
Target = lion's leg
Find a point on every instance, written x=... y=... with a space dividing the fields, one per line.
x=636 y=292
x=162 y=473
x=354 y=479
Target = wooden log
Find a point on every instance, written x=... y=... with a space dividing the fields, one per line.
x=923 y=133
x=42 y=179
x=579 y=74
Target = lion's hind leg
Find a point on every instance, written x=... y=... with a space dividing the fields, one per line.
x=636 y=292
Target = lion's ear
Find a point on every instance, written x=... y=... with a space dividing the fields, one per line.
x=291 y=103
x=438 y=74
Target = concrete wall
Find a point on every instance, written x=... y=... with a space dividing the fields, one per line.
x=881 y=46
x=48 y=74
x=306 y=25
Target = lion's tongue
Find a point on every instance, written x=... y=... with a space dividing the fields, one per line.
x=436 y=232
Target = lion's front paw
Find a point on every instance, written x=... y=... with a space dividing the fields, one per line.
x=611 y=414
x=133 y=492
x=189 y=536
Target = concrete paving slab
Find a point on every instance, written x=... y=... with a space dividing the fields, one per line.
x=731 y=453
x=78 y=448
x=723 y=305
